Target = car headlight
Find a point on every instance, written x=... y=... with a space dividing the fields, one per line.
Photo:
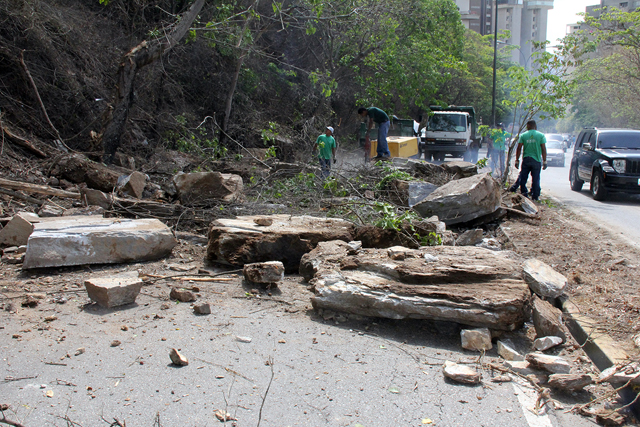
x=620 y=165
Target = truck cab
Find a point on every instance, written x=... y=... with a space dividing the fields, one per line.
x=449 y=131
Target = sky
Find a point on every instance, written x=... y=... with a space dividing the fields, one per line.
x=563 y=13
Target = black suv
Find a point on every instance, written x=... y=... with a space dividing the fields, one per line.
x=609 y=159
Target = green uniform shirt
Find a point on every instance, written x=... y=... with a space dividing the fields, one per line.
x=325 y=144
x=532 y=141
x=377 y=115
x=500 y=139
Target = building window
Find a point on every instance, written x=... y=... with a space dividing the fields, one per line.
x=624 y=4
x=534 y=19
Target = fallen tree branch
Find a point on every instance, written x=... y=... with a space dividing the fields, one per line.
x=22 y=197
x=40 y=189
x=23 y=142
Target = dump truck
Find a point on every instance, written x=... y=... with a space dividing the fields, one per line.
x=450 y=130
x=403 y=139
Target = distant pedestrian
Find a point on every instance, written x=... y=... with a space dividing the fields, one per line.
x=326 y=146
x=380 y=117
x=500 y=136
x=532 y=144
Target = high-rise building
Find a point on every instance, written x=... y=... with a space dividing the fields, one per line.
x=525 y=19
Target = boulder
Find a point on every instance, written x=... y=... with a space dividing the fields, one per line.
x=203 y=308
x=547 y=319
x=569 y=382
x=460 y=169
x=80 y=240
x=507 y=350
x=48 y=210
x=462 y=200
x=470 y=237
x=114 y=290
x=618 y=375
x=182 y=295
x=264 y=272
x=408 y=193
x=16 y=232
x=460 y=373
x=545 y=343
x=201 y=188
x=542 y=279
x=79 y=169
x=241 y=241
x=96 y=198
x=555 y=364
x=133 y=185
x=468 y=285
x=478 y=339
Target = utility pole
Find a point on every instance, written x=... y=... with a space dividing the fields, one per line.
x=495 y=60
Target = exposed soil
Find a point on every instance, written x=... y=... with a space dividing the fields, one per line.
x=601 y=268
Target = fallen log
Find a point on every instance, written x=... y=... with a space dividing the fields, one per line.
x=23 y=142
x=40 y=189
x=21 y=196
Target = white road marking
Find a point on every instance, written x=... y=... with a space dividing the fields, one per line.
x=527 y=398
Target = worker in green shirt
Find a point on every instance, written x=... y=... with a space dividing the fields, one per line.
x=380 y=117
x=500 y=136
x=326 y=146
x=532 y=145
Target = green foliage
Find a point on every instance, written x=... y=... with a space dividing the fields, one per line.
x=187 y=140
x=390 y=217
x=482 y=163
x=390 y=174
x=271 y=152
x=332 y=186
x=269 y=135
x=300 y=185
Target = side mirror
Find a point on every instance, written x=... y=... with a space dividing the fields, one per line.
x=587 y=146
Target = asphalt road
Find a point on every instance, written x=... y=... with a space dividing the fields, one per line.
x=620 y=213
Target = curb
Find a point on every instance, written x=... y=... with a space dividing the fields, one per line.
x=600 y=348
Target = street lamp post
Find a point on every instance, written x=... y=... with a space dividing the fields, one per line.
x=495 y=60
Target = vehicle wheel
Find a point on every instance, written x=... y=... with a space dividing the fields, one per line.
x=439 y=156
x=597 y=186
x=428 y=155
x=576 y=183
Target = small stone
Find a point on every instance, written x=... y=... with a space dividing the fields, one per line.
x=203 y=308
x=570 y=382
x=124 y=328
x=115 y=343
x=470 y=237
x=243 y=339
x=397 y=253
x=165 y=306
x=79 y=351
x=520 y=366
x=610 y=418
x=460 y=373
x=182 y=295
x=263 y=222
x=114 y=291
x=476 y=339
x=264 y=272
x=355 y=245
x=507 y=351
x=545 y=343
x=50 y=318
x=177 y=358
x=29 y=301
x=555 y=364
x=501 y=379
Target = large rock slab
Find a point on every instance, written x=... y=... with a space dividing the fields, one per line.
x=555 y=364
x=114 y=291
x=242 y=241
x=80 y=240
x=547 y=319
x=409 y=193
x=462 y=200
x=460 y=169
x=201 y=188
x=468 y=285
x=542 y=279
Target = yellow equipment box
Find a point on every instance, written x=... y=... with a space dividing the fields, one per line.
x=399 y=146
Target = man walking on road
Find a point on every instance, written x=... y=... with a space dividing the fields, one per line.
x=326 y=146
x=532 y=144
x=497 y=156
x=381 y=118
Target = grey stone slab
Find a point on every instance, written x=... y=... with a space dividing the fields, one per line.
x=116 y=290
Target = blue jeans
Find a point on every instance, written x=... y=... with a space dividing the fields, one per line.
x=325 y=165
x=497 y=158
x=530 y=165
x=383 y=146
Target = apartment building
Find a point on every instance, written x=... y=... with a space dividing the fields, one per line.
x=525 y=19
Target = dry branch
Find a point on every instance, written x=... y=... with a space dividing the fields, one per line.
x=23 y=142
x=40 y=189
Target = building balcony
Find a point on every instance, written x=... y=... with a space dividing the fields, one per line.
x=539 y=4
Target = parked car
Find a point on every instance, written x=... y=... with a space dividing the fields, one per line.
x=555 y=152
x=609 y=159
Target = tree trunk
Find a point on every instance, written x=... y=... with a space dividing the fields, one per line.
x=143 y=54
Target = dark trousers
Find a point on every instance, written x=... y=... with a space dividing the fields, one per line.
x=325 y=165
x=533 y=167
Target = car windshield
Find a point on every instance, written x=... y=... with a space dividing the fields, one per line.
x=554 y=137
x=448 y=123
x=619 y=140
x=554 y=144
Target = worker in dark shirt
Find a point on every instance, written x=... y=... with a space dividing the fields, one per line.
x=380 y=117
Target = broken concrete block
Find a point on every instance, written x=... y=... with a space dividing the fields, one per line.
x=570 y=382
x=241 y=241
x=478 y=339
x=507 y=350
x=467 y=285
x=182 y=295
x=470 y=237
x=113 y=291
x=555 y=364
x=203 y=308
x=545 y=343
x=133 y=184
x=201 y=188
x=16 y=232
x=264 y=272
x=460 y=373
x=542 y=279
x=177 y=358
x=547 y=319
x=79 y=240
x=48 y=210
x=462 y=200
